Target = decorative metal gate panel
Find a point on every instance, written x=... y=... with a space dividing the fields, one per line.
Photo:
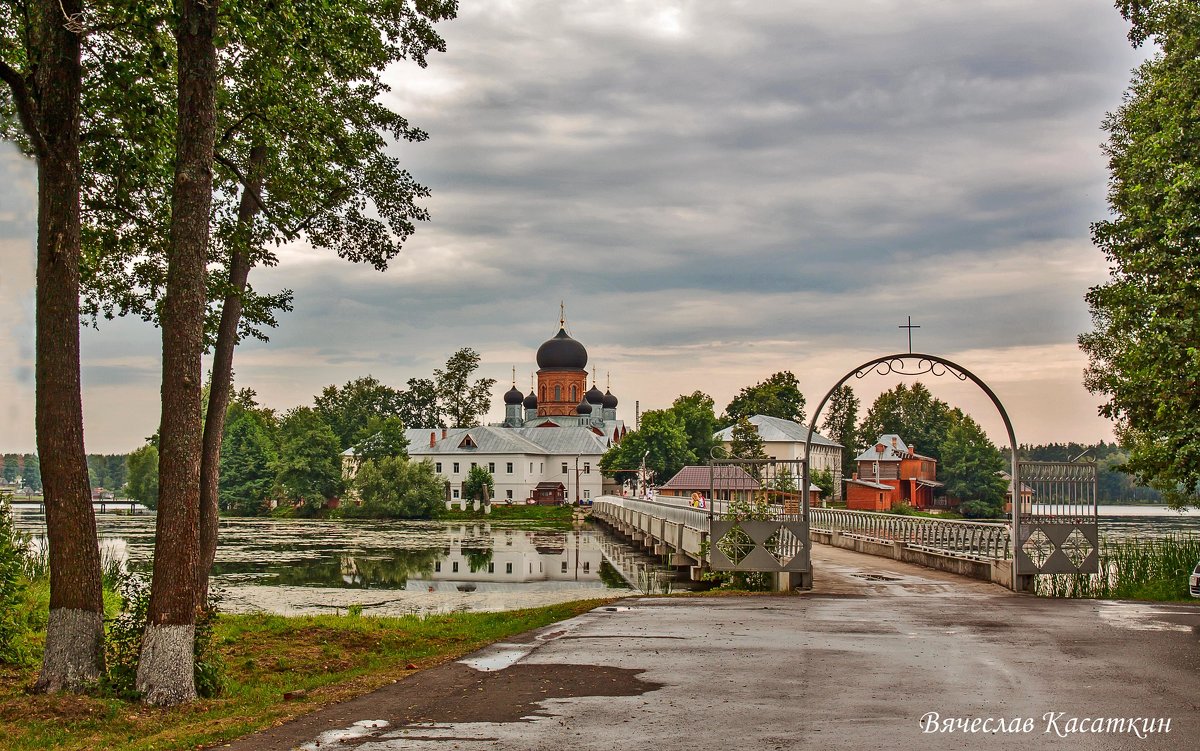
x=1057 y=531
x=758 y=516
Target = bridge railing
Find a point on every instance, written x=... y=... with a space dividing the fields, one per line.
x=688 y=516
x=960 y=538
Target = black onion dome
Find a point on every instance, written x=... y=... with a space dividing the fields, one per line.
x=531 y=401
x=513 y=396
x=584 y=408
x=594 y=396
x=610 y=401
x=562 y=353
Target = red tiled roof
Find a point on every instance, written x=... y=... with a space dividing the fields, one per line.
x=724 y=477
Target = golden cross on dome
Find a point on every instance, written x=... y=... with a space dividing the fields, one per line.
x=562 y=314
x=514 y=376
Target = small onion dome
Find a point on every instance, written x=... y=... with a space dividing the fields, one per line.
x=531 y=401
x=594 y=396
x=513 y=396
x=562 y=353
x=610 y=401
x=584 y=408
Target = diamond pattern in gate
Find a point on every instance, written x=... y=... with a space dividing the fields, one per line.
x=783 y=546
x=736 y=545
x=1038 y=547
x=1077 y=547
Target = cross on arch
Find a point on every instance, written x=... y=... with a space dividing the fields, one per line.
x=910 y=326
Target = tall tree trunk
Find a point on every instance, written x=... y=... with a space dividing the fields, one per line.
x=165 y=670
x=221 y=382
x=74 y=633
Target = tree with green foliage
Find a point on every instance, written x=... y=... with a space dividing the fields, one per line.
x=971 y=465
x=778 y=396
x=350 y=408
x=32 y=476
x=1144 y=349
x=380 y=437
x=912 y=413
x=419 y=406
x=696 y=411
x=661 y=439
x=398 y=488
x=309 y=469
x=746 y=443
x=461 y=400
x=478 y=480
x=10 y=468
x=823 y=479
x=42 y=71
x=841 y=425
x=249 y=460
x=143 y=475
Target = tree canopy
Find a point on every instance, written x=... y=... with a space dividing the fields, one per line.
x=913 y=413
x=1144 y=349
x=662 y=439
x=778 y=396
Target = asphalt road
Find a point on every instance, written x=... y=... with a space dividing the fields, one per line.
x=855 y=664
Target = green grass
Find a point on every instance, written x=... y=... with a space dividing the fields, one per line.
x=1154 y=569
x=557 y=515
x=333 y=658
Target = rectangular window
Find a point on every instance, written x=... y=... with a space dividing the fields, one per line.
x=564 y=468
x=456 y=468
x=491 y=568
x=454 y=567
x=508 y=494
x=456 y=492
x=564 y=567
x=587 y=494
x=437 y=467
x=587 y=566
x=508 y=567
x=437 y=567
x=509 y=468
x=587 y=468
x=473 y=465
x=492 y=467
x=531 y=468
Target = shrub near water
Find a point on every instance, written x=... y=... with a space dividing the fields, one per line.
x=13 y=649
x=1155 y=569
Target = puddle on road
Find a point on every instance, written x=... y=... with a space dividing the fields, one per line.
x=357 y=731
x=1138 y=617
x=498 y=657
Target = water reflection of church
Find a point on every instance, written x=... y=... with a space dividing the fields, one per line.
x=480 y=558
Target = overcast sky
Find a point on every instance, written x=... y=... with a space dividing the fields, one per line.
x=718 y=190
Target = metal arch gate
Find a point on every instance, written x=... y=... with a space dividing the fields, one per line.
x=1059 y=536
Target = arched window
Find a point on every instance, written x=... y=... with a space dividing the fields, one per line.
x=574 y=394
x=543 y=393
x=557 y=393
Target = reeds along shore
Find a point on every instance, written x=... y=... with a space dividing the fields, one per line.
x=1132 y=569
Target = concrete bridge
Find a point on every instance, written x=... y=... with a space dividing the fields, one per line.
x=683 y=535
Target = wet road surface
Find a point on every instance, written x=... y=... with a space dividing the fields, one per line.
x=855 y=664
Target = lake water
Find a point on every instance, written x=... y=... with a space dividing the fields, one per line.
x=305 y=566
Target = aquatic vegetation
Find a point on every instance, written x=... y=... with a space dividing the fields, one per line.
x=1132 y=569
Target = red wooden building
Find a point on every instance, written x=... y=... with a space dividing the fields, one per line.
x=892 y=472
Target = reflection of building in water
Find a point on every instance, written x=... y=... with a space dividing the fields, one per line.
x=514 y=556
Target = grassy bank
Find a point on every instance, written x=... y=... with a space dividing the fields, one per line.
x=557 y=515
x=331 y=658
x=1155 y=569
